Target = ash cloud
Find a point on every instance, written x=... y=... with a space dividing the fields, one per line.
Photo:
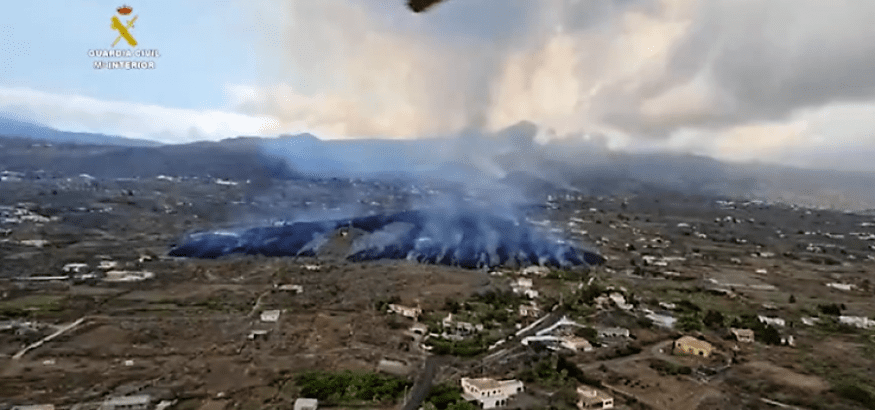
x=679 y=75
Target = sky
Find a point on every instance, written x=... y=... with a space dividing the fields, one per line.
x=785 y=81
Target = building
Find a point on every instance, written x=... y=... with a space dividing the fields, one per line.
x=306 y=404
x=530 y=310
x=535 y=270
x=742 y=335
x=857 y=321
x=405 y=311
x=524 y=286
x=577 y=344
x=773 y=321
x=693 y=346
x=136 y=402
x=270 y=315
x=393 y=367
x=490 y=393
x=620 y=301
x=458 y=327
x=291 y=288
x=258 y=334
x=590 y=398
x=35 y=407
x=609 y=332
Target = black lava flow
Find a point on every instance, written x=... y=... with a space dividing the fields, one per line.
x=468 y=239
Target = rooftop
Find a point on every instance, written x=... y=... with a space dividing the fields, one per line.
x=591 y=395
x=692 y=341
x=485 y=383
x=128 y=400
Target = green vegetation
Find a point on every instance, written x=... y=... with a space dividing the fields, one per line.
x=846 y=382
x=686 y=306
x=382 y=304
x=351 y=387
x=623 y=351
x=576 y=275
x=24 y=306
x=469 y=347
x=556 y=371
x=579 y=302
x=689 y=322
x=447 y=396
x=713 y=319
x=856 y=389
x=588 y=333
x=830 y=309
x=668 y=368
x=762 y=332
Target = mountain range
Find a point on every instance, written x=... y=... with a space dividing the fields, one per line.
x=476 y=161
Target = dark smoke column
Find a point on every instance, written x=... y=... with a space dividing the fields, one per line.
x=418 y=6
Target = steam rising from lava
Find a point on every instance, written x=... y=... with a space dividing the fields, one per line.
x=469 y=239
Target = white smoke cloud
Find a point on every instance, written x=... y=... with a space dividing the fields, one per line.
x=736 y=79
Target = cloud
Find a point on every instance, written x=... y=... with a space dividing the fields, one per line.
x=712 y=76
x=133 y=120
x=737 y=79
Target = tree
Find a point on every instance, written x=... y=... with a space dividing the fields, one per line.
x=792 y=299
x=713 y=319
x=689 y=322
x=769 y=335
x=830 y=309
x=587 y=333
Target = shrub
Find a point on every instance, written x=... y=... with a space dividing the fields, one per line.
x=713 y=319
x=856 y=392
x=689 y=322
x=830 y=309
x=348 y=386
x=444 y=395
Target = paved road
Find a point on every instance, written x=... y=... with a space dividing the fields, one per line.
x=423 y=383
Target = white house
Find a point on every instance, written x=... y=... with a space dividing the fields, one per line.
x=290 y=288
x=306 y=404
x=620 y=301
x=127 y=276
x=459 y=327
x=74 y=267
x=536 y=270
x=590 y=398
x=35 y=407
x=270 y=315
x=773 y=321
x=847 y=287
x=490 y=393
x=136 y=402
x=524 y=286
x=411 y=312
x=524 y=283
x=857 y=321
x=576 y=344
x=608 y=332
